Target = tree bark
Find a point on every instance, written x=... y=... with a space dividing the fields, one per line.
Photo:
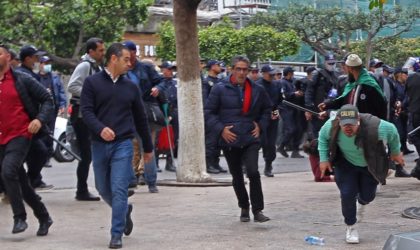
x=369 y=49
x=191 y=157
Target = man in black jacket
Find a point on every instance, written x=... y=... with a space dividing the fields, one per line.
x=322 y=87
x=238 y=110
x=212 y=147
x=25 y=107
x=113 y=110
x=269 y=136
x=413 y=93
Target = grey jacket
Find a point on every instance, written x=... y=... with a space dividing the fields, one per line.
x=87 y=67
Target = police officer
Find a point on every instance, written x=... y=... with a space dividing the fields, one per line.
x=291 y=121
x=170 y=83
x=212 y=149
x=269 y=136
x=323 y=86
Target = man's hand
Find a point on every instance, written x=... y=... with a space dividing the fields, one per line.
x=227 y=135
x=324 y=166
x=322 y=106
x=322 y=115
x=275 y=115
x=61 y=111
x=147 y=157
x=154 y=92
x=256 y=131
x=308 y=116
x=34 y=126
x=107 y=134
x=398 y=159
x=298 y=93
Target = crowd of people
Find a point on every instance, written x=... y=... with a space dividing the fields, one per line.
x=120 y=106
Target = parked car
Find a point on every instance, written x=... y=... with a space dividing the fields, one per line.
x=60 y=154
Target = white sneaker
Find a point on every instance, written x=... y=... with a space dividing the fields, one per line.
x=360 y=212
x=352 y=236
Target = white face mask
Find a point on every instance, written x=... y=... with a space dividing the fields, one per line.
x=330 y=67
x=379 y=71
x=47 y=68
x=36 y=68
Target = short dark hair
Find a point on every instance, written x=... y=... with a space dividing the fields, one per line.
x=237 y=59
x=5 y=47
x=92 y=43
x=115 y=49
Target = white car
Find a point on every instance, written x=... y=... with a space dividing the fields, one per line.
x=60 y=154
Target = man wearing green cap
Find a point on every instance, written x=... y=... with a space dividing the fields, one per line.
x=355 y=144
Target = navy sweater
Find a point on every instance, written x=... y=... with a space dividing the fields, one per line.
x=118 y=106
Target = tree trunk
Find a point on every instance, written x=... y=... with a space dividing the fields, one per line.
x=369 y=48
x=191 y=157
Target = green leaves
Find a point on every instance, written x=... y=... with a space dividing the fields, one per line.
x=61 y=27
x=223 y=42
x=376 y=4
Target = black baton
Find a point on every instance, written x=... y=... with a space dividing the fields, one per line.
x=300 y=107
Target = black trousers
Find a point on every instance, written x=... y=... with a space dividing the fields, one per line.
x=415 y=138
x=83 y=142
x=268 y=141
x=35 y=160
x=15 y=180
x=248 y=156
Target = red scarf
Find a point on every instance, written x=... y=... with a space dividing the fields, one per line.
x=246 y=105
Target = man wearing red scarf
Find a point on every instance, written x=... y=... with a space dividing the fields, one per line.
x=238 y=111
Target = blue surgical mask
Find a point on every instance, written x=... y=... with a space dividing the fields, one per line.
x=47 y=68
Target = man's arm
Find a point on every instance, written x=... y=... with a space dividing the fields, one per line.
x=387 y=132
x=141 y=123
x=77 y=78
x=87 y=104
x=211 y=110
x=62 y=98
x=42 y=96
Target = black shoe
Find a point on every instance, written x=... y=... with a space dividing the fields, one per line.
x=244 y=215
x=268 y=173
x=86 y=197
x=44 y=226
x=400 y=172
x=115 y=242
x=221 y=170
x=141 y=181
x=43 y=186
x=19 y=226
x=128 y=221
x=268 y=169
x=260 y=217
x=130 y=192
x=283 y=152
x=159 y=170
x=295 y=154
x=132 y=185
x=169 y=166
x=212 y=170
x=415 y=173
x=153 y=189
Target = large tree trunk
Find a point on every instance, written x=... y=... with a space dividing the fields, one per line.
x=191 y=159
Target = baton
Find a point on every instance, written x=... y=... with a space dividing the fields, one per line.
x=65 y=147
x=300 y=107
x=414 y=131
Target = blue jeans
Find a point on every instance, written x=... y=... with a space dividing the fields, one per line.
x=112 y=168
x=355 y=183
x=150 y=169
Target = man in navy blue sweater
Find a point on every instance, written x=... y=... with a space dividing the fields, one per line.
x=112 y=109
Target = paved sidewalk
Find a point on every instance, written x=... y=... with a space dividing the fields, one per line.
x=208 y=218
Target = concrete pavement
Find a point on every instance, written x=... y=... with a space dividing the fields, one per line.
x=208 y=217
